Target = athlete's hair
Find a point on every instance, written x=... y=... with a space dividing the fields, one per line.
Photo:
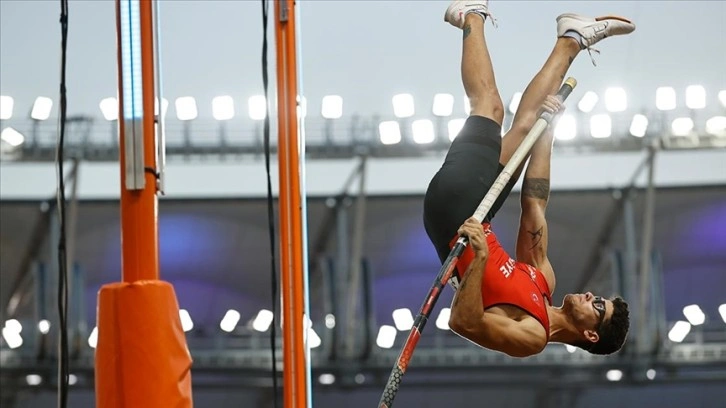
x=613 y=332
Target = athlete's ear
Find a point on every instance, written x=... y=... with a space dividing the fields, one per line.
x=591 y=335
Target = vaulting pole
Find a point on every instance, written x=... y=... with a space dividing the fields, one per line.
x=142 y=360
x=294 y=351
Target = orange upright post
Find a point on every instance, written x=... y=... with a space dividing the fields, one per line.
x=142 y=360
x=291 y=239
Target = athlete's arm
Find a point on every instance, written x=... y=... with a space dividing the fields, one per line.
x=467 y=309
x=533 y=235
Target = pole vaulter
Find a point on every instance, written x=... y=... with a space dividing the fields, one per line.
x=446 y=271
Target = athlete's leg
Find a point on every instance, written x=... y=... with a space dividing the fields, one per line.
x=477 y=72
x=574 y=34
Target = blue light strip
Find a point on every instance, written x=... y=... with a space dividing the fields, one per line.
x=131 y=60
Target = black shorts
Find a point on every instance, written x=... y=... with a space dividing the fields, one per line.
x=457 y=189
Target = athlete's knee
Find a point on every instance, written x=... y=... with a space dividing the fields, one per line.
x=488 y=105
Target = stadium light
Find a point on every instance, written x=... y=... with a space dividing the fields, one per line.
x=329 y=320
x=223 y=107
x=650 y=374
x=262 y=321
x=109 y=108
x=403 y=105
x=679 y=331
x=454 y=127
x=423 y=131
x=639 y=125
x=41 y=108
x=164 y=107
x=682 y=126
x=229 y=321
x=600 y=126
x=696 y=97
x=314 y=340
x=186 y=320
x=6 y=107
x=722 y=97
x=566 y=128
x=44 y=326
x=403 y=319
x=716 y=126
x=587 y=102
x=257 y=107
x=614 y=375
x=722 y=312
x=665 y=98
x=386 y=336
x=186 y=108
x=93 y=338
x=443 y=104
x=514 y=103
x=616 y=100
x=442 y=322
x=332 y=107
x=389 y=132
x=694 y=314
x=12 y=137
x=326 y=379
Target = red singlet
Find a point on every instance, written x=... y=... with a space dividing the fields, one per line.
x=509 y=282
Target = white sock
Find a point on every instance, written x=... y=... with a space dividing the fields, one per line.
x=576 y=36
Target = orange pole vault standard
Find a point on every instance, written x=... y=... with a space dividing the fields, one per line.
x=142 y=360
x=294 y=351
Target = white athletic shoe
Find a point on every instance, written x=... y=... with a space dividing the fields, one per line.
x=457 y=10
x=593 y=29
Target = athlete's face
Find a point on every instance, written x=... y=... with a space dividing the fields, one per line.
x=587 y=311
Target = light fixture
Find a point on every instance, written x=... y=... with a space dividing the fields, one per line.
x=229 y=321
x=614 y=375
x=389 y=132
x=223 y=107
x=12 y=137
x=682 y=126
x=12 y=337
x=566 y=128
x=403 y=105
x=639 y=125
x=257 y=107
x=716 y=126
x=33 y=379
x=587 y=102
x=403 y=319
x=332 y=107
x=616 y=100
x=665 y=98
x=44 y=326
x=262 y=321
x=41 y=108
x=443 y=104
x=722 y=312
x=650 y=374
x=93 y=338
x=109 y=108
x=442 y=322
x=329 y=321
x=314 y=340
x=186 y=108
x=454 y=127
x=694 y=314
x=6 y=107
x=186 y=320
x=423 y=131
x=386 y=336
x=600 y=126
x=326 y=378
x=696 y=97
x=679 y=331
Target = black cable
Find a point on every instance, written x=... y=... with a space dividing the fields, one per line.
x=270 y=203
x=63 y=369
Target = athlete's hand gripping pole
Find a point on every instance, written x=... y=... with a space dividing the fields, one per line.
x=394 y=380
